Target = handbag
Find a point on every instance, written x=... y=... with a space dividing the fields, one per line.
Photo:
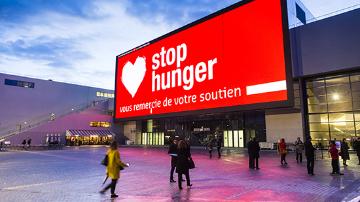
x=105 y=161
x=191 y=164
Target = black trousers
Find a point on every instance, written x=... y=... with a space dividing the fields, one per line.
x=335 y=166
x=283 y=158
x=253 y=161
x=219 y=151
x=257 y=162
x=310 y=164
x=172 y=172
x=173 y=166
x=299 y=157
x=186 y=173
x=210 y=153
x=111 y=186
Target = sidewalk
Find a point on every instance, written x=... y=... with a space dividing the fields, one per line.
x=76 y=175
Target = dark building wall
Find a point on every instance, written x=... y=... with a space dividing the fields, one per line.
x=327 y=45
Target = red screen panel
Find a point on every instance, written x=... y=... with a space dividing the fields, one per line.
x=235 y=58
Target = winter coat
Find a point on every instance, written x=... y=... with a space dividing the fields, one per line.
x=182 y=164
x=309 y=149
x=345 y=151
x=282 y=148
x=299 y=146
x=357 y=147
x=254 y=149
x=173 y=150
x=114 y=164
x=334 y=153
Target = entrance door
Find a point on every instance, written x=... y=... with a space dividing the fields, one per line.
x=233 y=138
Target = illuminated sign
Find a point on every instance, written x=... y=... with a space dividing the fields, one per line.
x=234 y=59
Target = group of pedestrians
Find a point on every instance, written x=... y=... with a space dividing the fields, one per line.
x=335 y=153
x=26 y=143
x=181 y=161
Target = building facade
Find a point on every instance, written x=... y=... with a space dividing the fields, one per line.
x=326 y=80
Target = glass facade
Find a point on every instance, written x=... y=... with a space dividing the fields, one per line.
x=235 y=129
x=334 y=108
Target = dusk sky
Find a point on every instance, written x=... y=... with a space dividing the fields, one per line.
x=76 y=41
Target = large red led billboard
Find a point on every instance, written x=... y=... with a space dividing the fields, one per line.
x=231 y=60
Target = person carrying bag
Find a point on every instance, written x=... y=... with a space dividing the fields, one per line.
x=113 y=167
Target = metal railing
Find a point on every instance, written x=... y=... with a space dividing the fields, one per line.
x=337 y=12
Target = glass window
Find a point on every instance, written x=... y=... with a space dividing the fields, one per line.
x=317 y=108
x=230 y=136
x=337 y=80
x=236 y=138
x=317 y=100
x=340 y=117
x=342 y=97
x=149 y=125
x=356 y=105
x=318 y=118
x=341 y=106
x=162 y=138
x=319 y=127
x=319 y=91
x=319 y=135
x=24 y=84
x=315 y=83
x=342 y=127
x=355 y=87
x=357 y=126
x=226 y=144
x=355 y=78
x=241 y=138
x=357 y=116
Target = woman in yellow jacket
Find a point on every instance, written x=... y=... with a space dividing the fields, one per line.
x=113 y=168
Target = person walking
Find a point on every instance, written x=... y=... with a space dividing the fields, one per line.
x=218 y=145
x=334 y=159
x=24 y=143
x=357 y=148
x=344 y=152
x=173 y=153
x=254 y=153
x=210 y=147
x=182 y=164
x=299 y=147
x=282 y=151
x=251 y=152
x=113 y=168
x=310 y=156
x=29 y=142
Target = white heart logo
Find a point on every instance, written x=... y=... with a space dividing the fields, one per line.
x=133 y=75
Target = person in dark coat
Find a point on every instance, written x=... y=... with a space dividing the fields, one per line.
x=24 y=143
x=182 y=164
x=218 y=145
x=29 y=142
x=357 y=148
x=173 y=153
x=254 y=153
x=310 y=156
x=344 y=151
x=210 y=147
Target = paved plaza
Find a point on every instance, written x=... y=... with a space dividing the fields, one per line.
x=75 y=174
